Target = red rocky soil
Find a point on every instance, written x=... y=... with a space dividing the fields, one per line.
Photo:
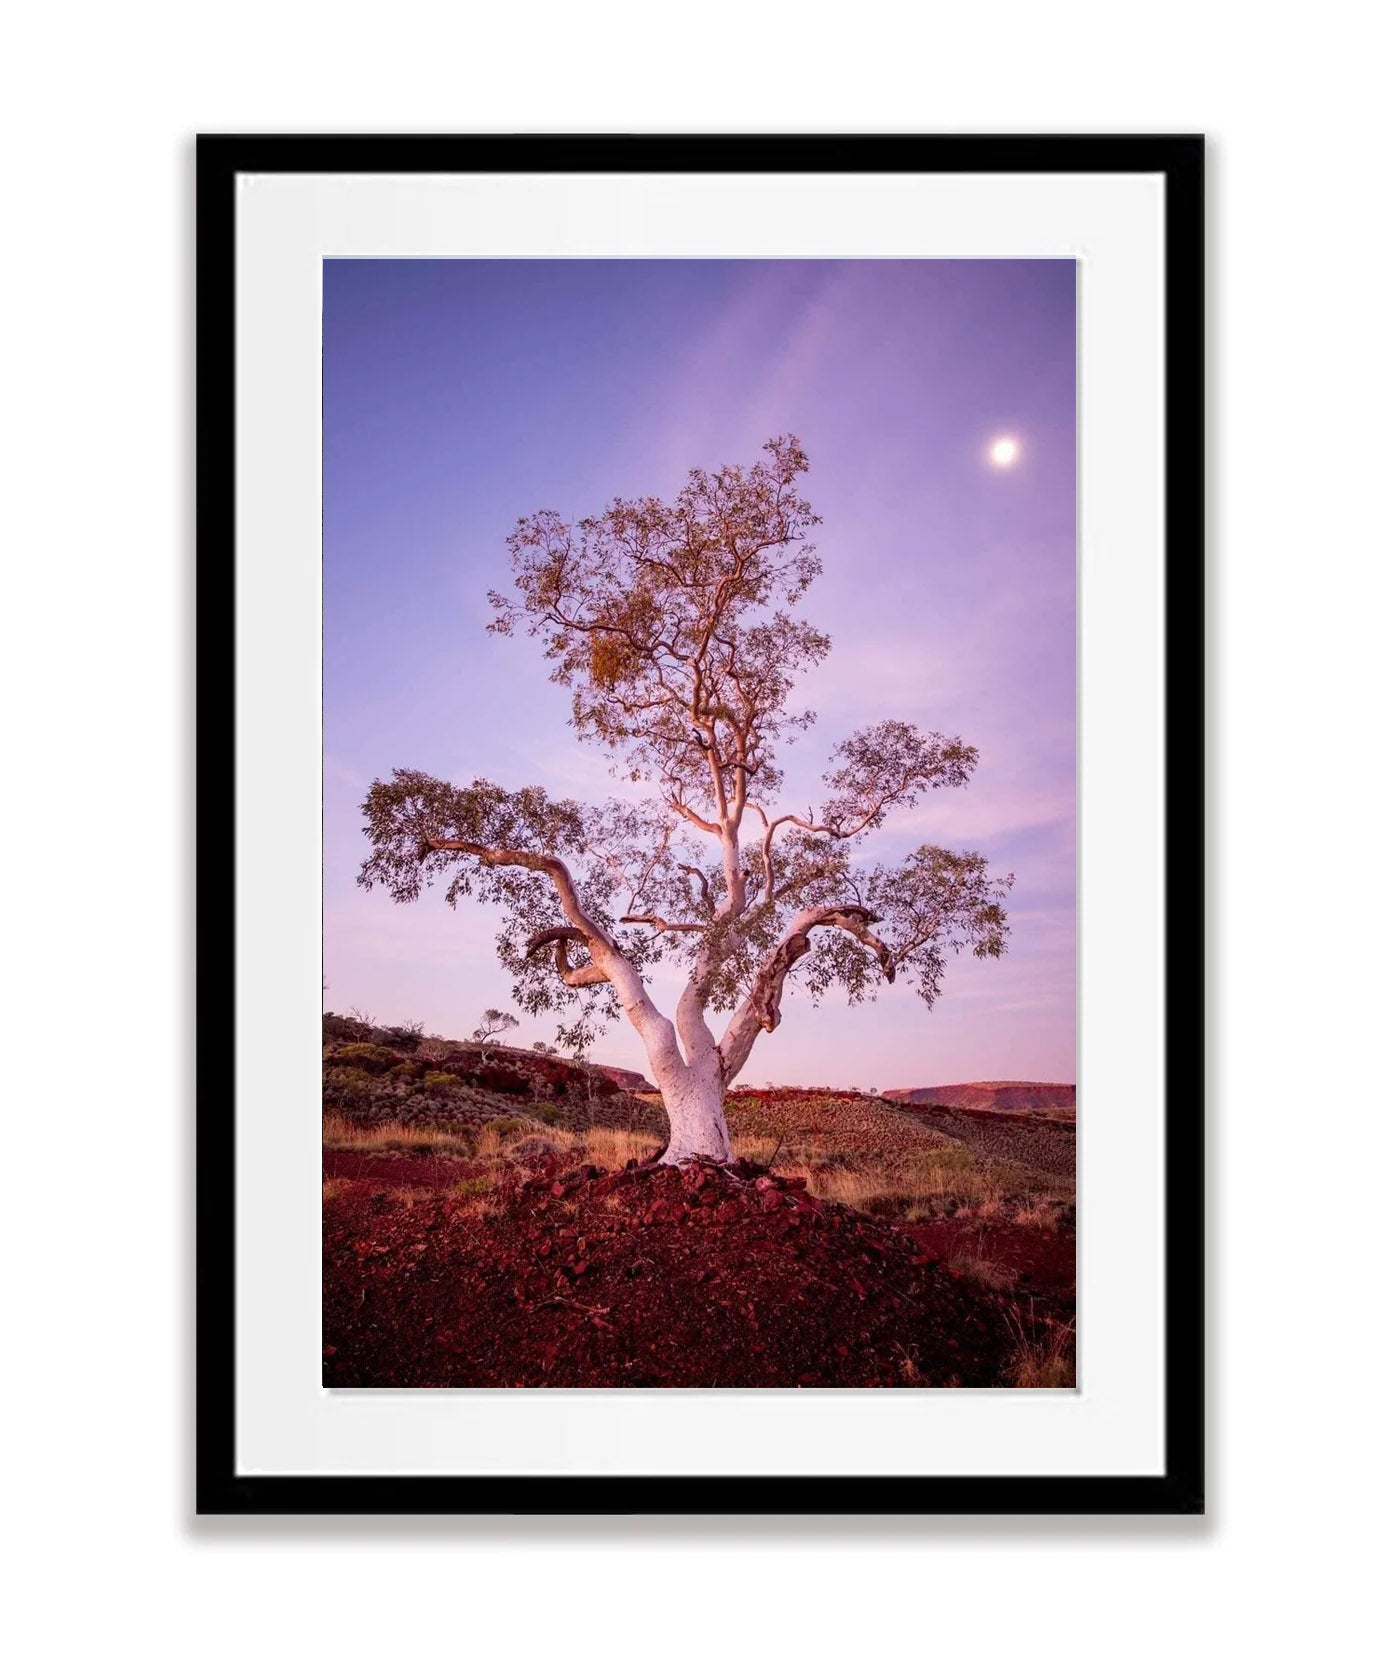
x=429 y=1171
x=1041 y=1261
x=652 y=1277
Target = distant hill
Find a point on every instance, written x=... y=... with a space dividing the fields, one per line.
x=429 y=1048
x=625 y=1079
x=1003 y=1095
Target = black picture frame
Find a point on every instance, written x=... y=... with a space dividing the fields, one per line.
x=1179 y=160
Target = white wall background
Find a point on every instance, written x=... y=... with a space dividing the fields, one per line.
x=1285 y=1577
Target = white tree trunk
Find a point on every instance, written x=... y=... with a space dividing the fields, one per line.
x=694 y=1099
x=692 y=1092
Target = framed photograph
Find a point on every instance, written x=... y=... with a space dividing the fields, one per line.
x=700 y=683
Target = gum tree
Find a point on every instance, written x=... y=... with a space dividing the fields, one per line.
x=671 y=625
x=494 y=1022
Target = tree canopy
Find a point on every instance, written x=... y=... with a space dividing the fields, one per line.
x=672 y=625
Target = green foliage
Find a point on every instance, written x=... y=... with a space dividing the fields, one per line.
x=436 y=1080
x=347 y=1085
x=886 y=767
x=372 y=1058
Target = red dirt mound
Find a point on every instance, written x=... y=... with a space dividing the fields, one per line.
x=1040 y=1260
x=659 y=1277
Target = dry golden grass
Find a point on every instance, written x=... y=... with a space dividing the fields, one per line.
x=608 y=1147
x=1043 y=1214
x=410 y=1195
x=500 y=1142
x=492 y=1138
x=1043 y=1355
x=763 y=1146
x=522 y=1138
x=612 y=1147
x=915 y=1180
x=973 y=1262
x=989 y=1274
x=338 y=1133
x=934 y=1182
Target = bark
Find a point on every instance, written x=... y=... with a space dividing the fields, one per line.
x=761 y=1010
x=694 y=1099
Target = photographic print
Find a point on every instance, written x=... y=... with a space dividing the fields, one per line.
x=699 y=823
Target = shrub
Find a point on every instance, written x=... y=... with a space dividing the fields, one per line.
x=513 y=1073
x=532 y=1147
x=426 y=1108
x=348 y=1085
x=372 y=1058
x=394 y=1098
x=504 y=1135
x=436 y=1080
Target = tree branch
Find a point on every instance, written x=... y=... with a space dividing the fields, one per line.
x=682 y=809
x=609 y=964
x=705 y=896
x=761 y=1009
x=584 y=928
x=586 y=974
x=504 y=857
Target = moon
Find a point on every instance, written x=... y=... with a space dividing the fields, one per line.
x=1005 y=452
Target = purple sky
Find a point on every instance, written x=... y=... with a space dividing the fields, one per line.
x=462 y=394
